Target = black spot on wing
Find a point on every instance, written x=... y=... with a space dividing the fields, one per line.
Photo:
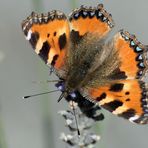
x=44 y=51
x=54 y=60
x=101 y=97
x=116 y=87
x=111 y=106
x=26 y=32
x=62 y=41
x=75 y=37
x=118 y=74
x=128 y=99
x=127 y=93
x=34 y=39
x=55 y=33
x=128 y=114
x=48 y=35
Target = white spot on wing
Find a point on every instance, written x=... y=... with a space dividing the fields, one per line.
x=132 y=119
x=28 y=37
x=39 y=46
x=127 y=86
x=51 y=54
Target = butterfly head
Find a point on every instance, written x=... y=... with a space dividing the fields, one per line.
x=65 y=91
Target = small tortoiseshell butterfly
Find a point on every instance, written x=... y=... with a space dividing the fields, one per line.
x=89 y=67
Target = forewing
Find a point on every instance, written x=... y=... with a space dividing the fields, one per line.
x=86 y=20
x=49 y=36
x=132 y=55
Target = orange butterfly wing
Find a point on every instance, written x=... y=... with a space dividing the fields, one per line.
x=49 y=36
x=90 y=20
x=125 y=98
x=132 y=55
x=128 y=97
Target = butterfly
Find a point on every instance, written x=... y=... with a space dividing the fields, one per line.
x=107 y=73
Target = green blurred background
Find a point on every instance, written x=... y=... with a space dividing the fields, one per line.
x=34 y=123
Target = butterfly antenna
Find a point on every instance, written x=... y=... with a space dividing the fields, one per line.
x=61 y=96
x=74 y=112
x=47 y=81
x=34 y=95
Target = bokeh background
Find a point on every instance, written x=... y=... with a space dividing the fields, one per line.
x=34 y=123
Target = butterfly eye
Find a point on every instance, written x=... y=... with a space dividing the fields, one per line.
x=73 y=95
x=60 y=86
